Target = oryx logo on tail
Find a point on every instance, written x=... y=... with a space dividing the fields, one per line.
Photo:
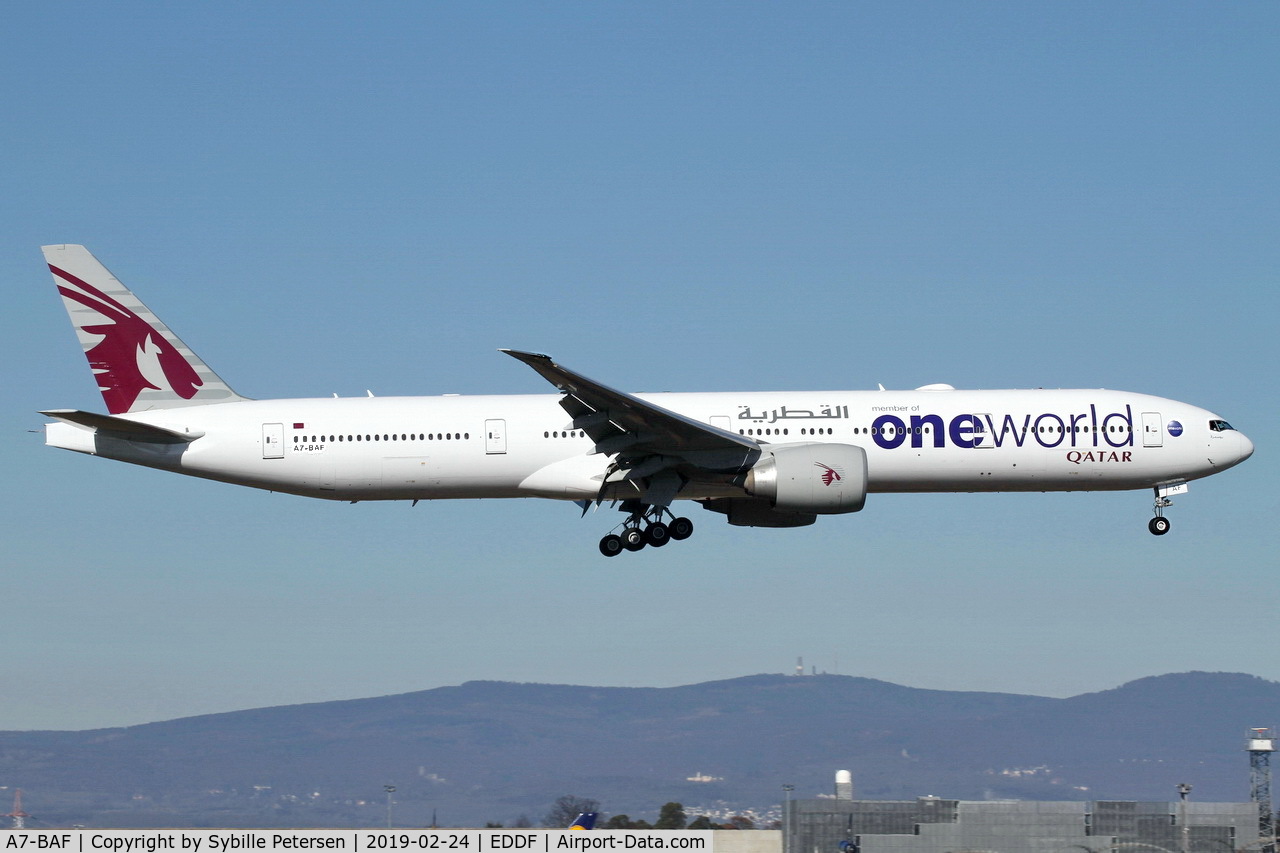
x=131 y=356
x=137 y=361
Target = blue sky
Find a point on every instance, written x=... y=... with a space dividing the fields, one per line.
x=333 y=197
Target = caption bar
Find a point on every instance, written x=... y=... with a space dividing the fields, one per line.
x=351 y=840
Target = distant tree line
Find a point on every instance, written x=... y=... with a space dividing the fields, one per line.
x=671 y=816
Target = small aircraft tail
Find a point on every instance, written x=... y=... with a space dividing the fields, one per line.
x=138 y=362
x=586 y=820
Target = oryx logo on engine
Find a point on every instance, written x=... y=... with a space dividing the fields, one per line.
x=829 y=475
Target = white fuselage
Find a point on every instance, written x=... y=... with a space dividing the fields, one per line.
x=410 y=448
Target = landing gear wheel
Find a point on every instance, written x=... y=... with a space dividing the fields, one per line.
x=632 y=539
x=611 y=546
x=680 y=528
x=1158 y=525
x=657 y=534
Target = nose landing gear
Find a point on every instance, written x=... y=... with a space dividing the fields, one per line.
x=644 y=526
x=1160 y=525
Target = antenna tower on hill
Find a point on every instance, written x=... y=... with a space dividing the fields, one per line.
x=1261 y=745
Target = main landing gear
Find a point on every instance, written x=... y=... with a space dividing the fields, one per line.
x=645 y=527
x=1160 y=525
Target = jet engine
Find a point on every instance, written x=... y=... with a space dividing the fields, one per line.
x=811 y=477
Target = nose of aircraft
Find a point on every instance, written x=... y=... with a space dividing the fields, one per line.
x=1245 y=449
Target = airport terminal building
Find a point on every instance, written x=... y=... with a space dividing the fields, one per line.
x=932 y=825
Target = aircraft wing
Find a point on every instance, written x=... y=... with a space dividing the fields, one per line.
x=638 y=432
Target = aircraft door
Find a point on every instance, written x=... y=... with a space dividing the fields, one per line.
x=495 y=436
x=722 y=421
x=1152 y=430
x=273 y=441
x=982 y=437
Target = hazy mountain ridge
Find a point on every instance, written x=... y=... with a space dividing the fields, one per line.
x=488 y=750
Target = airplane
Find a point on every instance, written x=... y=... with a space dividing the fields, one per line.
x=761 y=459
x=585 y=820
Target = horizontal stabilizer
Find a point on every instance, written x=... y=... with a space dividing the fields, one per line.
x=122 y=427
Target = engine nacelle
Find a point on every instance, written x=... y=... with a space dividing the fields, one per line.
x=811 y=477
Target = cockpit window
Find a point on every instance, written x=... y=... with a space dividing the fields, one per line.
x=1219 y=426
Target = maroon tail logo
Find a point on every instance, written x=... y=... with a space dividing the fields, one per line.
x=829 y=474
x=127 y=340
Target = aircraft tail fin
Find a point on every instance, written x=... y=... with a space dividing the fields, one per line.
x=586 y=820
x=139 y=364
